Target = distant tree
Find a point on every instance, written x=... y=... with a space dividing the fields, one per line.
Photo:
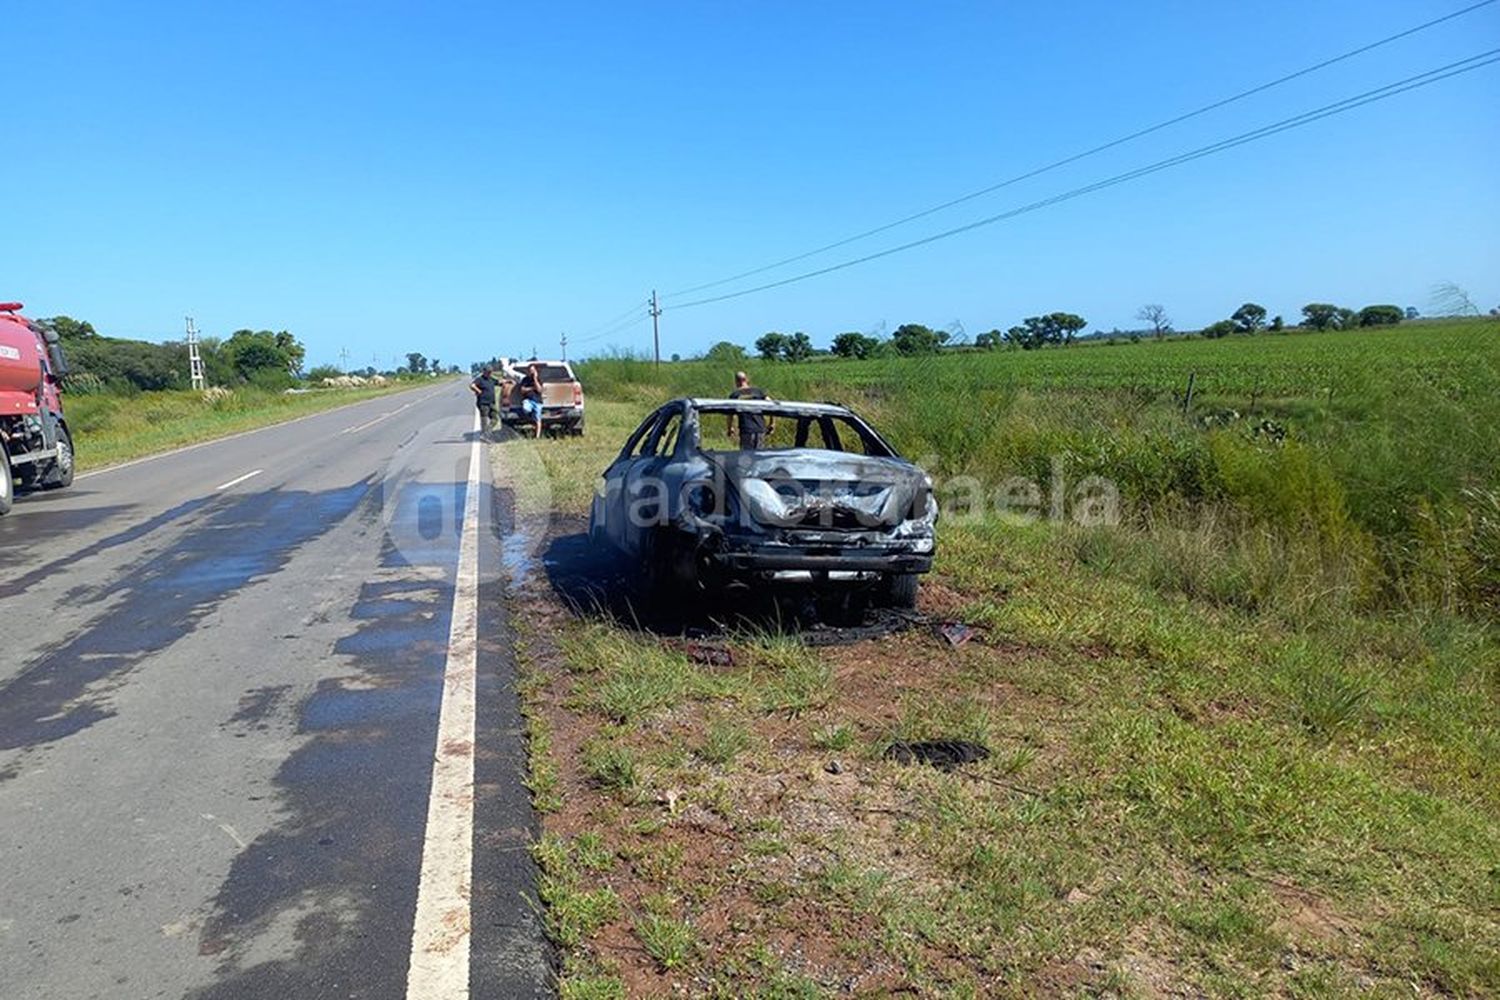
x=1411 y=312
x=1277 y=323
x=1030 y=335
x=292 y=349
x=989 y=341
x=415 y=362
x=854 y=345
x=797 y=347
x=319 y=372
x=69 y=328
x=1449 y=299
x=1023 y=337
x=914 y=338
x=1381 y=315
x=434 y=367
x=129 y=363
x=1249 y=318
x=1156 y=316
x=251 y=352
x=1039 y=331
x=770 y=346
x=725 y=353
x=676 y=357
x=1321 y=316
x=1222 y=328
x=1066 y=325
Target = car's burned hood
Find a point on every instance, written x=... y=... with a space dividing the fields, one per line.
x=803 y=487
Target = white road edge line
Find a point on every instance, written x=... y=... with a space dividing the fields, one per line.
x=241 y=479
x=439 y=968
x=372 y=423
x=228 y=437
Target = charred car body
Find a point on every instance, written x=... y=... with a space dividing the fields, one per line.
x=825 y=500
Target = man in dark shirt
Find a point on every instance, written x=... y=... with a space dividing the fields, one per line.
x=483 y=388
x=753 y=426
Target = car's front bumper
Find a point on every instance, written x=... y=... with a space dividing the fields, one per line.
x=782 y=560
x=820 y=551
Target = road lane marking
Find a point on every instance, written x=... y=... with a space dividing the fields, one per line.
x=372 y=423
x=241 y=479
x=439 y=968
x=230 y=437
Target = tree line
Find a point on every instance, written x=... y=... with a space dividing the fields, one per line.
x=265 y=359
x=908 y=340
x=1251 y=318
x=1055 y=329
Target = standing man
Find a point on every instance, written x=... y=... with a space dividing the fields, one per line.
x=530 y=391
x=483 y=388
x=753 y=426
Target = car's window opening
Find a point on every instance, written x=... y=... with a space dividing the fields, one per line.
x=636 y=446
x=822 y=431
x=665 y=442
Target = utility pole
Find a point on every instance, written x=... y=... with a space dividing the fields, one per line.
x=655 y=328
x=195 y=360
x=344 y=360
x=565 y=347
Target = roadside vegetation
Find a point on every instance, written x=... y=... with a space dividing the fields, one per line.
x=125 y=398
x=1244 y=741
x=109 y=428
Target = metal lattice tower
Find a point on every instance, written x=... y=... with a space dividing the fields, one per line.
x=195 y=360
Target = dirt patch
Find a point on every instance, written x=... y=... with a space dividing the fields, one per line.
x=1307 y=916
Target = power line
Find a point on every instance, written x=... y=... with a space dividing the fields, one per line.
x=1087 y=153
x=621 y=328
x=1296 y=121
x=634 y=310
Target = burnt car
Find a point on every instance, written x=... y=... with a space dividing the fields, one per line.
x=824 y=500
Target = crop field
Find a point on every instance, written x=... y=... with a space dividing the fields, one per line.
x=1290 y=364
x=1244 y=737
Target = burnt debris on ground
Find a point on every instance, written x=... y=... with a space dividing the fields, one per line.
x=945 y=755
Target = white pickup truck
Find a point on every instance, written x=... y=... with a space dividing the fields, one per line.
x=562 y=397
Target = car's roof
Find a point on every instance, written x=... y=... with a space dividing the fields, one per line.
x=701 y=403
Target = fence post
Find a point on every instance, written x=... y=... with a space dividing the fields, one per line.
x=1187 y=401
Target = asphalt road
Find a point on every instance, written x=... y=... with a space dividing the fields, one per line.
x=221 y=679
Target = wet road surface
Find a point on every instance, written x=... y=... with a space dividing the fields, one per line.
x=221 y=674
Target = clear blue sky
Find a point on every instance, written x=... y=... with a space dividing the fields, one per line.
x=470 y=180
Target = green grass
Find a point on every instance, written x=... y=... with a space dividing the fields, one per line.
x=723 y=741
x=111 y=428
x=669 y=940
x=574 y=909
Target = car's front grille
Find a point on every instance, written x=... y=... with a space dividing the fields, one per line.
x=834 y=519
